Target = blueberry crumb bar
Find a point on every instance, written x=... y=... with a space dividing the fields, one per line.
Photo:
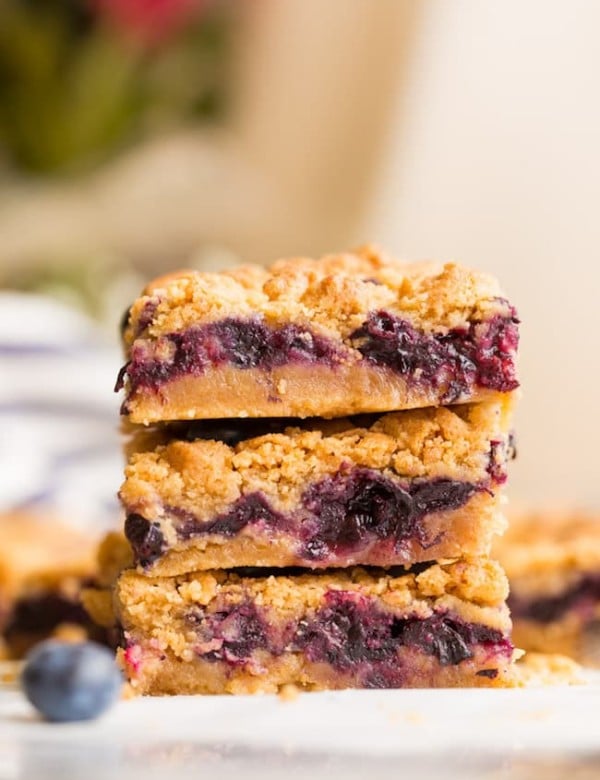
x=346 y=334
x=441 y=625
x=388 y=490
x=552 y=559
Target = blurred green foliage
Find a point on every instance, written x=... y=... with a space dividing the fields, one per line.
x=73 y=90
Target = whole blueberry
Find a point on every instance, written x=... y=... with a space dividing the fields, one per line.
x=71 y=681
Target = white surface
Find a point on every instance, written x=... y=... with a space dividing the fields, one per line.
x=533 y=733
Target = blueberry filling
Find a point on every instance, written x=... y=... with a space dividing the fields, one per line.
x=489 y=673
x=338 y=515
x=347 y=511
x=231 y=635
x=250 y=509
x=501 y=452
x=146 y=539
x=482 y=354
x=241 y=343
x=350 y=633
x=582 y=597
x=43 y=613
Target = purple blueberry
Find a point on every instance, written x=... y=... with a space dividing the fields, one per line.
x=146 y=539
x=70 y=682
x=248 y=509
x=481 y=354
x=350 y=510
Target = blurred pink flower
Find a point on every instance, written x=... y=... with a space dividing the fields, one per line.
x=149 y=22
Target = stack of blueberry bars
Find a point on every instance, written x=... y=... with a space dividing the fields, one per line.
x=316 y=462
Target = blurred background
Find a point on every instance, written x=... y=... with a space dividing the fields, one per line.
x=138 y=136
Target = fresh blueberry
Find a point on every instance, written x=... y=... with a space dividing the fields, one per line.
x=69 y=682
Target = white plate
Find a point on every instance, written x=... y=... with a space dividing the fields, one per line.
x=547 y=733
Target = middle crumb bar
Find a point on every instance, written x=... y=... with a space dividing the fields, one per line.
x=397 y=489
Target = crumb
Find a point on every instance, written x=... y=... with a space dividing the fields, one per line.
x=9 y=672
x=289 y=692
x=128 y=692
x=542 y=669
x=70 y=632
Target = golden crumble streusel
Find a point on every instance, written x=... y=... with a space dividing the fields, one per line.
x=334 y=293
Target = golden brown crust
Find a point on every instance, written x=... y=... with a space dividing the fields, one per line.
x=334 y=294
x=293 y=390
x=97 y=602
x=165 y=674
x=113 y=555
x=205 y=476
x=422 y=443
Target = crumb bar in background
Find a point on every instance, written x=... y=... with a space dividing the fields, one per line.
x=113 y=556
x=395 y=489
x=43 y=567
x=346 y=334
x=443 y=625
x=535 y=669
x=552 y=560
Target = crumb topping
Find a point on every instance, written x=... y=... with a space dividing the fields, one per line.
x=206 y=476
x=333 y=294
x=475 y=590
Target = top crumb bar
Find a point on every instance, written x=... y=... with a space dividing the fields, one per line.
x=346 y=334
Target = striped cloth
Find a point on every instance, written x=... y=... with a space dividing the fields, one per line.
x=59 y=442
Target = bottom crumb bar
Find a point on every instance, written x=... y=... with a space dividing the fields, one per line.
x=552 y=559
x=441 y=625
